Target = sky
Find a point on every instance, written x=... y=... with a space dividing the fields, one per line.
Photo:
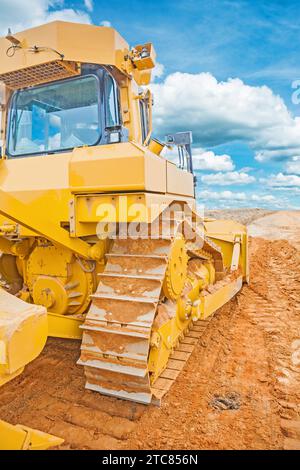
x=228 y=70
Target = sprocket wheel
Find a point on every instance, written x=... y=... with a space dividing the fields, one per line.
x=177 y=269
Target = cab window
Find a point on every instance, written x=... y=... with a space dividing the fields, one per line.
x=55 y=117
x=112 y=116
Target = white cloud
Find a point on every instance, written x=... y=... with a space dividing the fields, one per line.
x=293 y=166
x=281 y=180
x=235 y=197
x=222 y=196
x=106 y=23
x=204 y=160
x=209 y=161
x=264 y=197
x=292 y=189
x=227 y=179
x=67 y=14
x=20 y=14
x=220 y=112
x=89 y=5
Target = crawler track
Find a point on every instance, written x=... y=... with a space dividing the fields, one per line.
x=118 y=327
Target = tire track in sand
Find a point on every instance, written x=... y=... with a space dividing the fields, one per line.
x=273 y=301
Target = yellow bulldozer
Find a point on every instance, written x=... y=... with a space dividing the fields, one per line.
x=100 y=239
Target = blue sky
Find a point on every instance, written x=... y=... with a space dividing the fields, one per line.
x=237 y=61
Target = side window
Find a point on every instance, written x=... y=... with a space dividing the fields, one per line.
x=112 y=117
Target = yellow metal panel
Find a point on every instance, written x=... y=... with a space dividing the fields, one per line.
x=115 y=167
x=124 y=208
x=155 y=173
x=23 y=438
x=89 y=209
x=36 y=173
x=212 y=302
x=23 y=333
x=65 y=326
x=43 y=189
x=77 y=42
x=223 y=233
x=179 y=181
x=21 y=213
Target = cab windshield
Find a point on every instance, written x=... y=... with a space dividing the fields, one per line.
x=55 y=117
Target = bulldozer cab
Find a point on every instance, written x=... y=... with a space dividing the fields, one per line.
x=83 y=89
x=62 y=115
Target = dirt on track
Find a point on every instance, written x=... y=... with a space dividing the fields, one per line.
x=239 y=389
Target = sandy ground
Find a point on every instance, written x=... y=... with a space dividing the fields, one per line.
x=239 y=389
x=244 y=216
x=283 y=225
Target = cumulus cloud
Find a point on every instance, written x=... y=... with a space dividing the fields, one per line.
x=20 y=14
x=220 y=112
x=203 y=160
x=222 y=195
x=262 y=197
x=227 y=179
x=281 y=180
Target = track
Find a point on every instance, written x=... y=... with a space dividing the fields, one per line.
x=117 y=331
x=250 y=350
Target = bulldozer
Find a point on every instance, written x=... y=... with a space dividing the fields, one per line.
x=100 y=238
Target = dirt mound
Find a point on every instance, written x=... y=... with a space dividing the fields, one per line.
x=245 y=216
x=281 y=225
